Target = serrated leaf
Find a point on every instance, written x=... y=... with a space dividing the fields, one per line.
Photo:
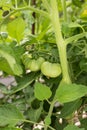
x=24 y=82
x=10 y=128
x=10 y=115
x=73 y=127
x=41 y=91
x=16 y=28
x=70 y=92
x=71 y=107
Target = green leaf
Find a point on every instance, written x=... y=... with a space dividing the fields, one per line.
x=69 y=28
x=3 y=89
x=10 y=115
x=77 y=3
x=46 y=4
x=65 y=29
x=4 y=66
x=84 y=123
x=5 y=4
x=8 y=61
x=83 y=65
x=70 y=92
x=41 y=91
x=24 y=82
x=59 y=126
x=73 y=127
x=10 y=128
x=75 y=25
x=19 y=51
x=71 y=107
x=34 y=114
x=16 y=28
x=75 y=37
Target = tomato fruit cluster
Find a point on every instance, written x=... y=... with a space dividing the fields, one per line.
x=47 y=68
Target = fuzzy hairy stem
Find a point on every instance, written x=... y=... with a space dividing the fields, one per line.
x=60 y=41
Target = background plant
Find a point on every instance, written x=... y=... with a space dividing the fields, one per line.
x=33 y=32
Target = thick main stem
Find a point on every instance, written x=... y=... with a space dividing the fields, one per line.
x=60 y=41
x=64 y=10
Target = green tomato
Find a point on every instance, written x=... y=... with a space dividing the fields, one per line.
x=40 y=60
x=35 y=65
x=27 y=63
x=26 y=60
x=51 y=69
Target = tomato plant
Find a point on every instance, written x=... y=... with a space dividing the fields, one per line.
x=43 y=46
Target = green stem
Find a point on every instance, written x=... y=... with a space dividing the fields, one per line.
x=50 y=112
x=45 y=14
x=16 y=4
x=32 y=122
x=75 y=37
x=51 y=108
x=60 y=41
x=64 y=10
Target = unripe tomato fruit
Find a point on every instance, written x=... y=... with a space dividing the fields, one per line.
x=40 y=60
x=35 y=65
x=51 y=69
x=26 y=60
